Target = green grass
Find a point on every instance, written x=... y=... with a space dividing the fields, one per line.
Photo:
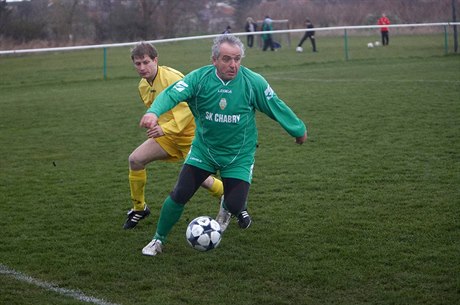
x=366 y=212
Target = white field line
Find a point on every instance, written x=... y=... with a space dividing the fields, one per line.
x=75 y=294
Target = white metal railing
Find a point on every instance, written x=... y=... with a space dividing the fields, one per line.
x=113 y=45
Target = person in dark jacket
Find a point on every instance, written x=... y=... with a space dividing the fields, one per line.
x=308 y=34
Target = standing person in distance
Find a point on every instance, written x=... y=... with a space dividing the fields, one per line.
x=223 y=98
x=250 y=27
x=169 y=140
x=267 y=37
x=384 y=30
x=308 y=34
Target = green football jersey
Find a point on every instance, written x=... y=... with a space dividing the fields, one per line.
x=225 y=111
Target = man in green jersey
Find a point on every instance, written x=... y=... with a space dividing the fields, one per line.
x=223 y=98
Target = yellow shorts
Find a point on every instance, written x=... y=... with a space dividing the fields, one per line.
x=176 y=147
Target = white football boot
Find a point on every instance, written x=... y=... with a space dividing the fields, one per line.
x=153 y=248
x=223 y=217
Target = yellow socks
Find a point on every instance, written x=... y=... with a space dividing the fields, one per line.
x=217 y=188
x=137 y=181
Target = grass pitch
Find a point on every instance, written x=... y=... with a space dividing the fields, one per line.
x=366 y=212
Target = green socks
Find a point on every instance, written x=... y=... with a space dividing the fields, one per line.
x=169 y=215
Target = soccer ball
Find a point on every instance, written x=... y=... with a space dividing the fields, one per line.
x=370 y=45
x=203 y=233
x=299 y=49
x=376 y=43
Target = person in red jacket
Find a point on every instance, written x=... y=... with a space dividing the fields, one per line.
x=384 y=30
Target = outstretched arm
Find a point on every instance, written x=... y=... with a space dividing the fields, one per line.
x=268 y=102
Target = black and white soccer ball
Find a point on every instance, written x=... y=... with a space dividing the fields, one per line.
x=203 y=233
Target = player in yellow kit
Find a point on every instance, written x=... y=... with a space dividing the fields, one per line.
x=170 y=140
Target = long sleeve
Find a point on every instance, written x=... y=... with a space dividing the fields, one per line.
x=269 y=103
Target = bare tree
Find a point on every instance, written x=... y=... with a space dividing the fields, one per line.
x=147 y=12
x=61 y=19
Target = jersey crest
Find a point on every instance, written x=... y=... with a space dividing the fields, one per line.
x=223 y=103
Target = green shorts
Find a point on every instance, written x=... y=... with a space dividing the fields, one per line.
x=240 y=167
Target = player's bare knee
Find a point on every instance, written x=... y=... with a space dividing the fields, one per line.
x=207 y=184
x=134 y=162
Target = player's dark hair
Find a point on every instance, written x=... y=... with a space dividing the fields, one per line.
x=143 y=48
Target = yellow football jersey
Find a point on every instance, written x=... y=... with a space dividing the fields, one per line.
x=179 y=121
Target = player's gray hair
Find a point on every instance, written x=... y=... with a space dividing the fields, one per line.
x=226 y=38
